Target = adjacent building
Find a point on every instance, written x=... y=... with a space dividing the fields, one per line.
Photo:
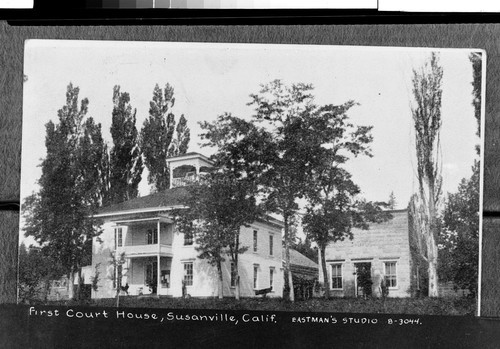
x=386 y=256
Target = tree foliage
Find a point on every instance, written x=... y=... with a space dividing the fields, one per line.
x=476 y=60
x=35 y=272
x=334 y=210
x=459 y=238
x=126 y=158
x=161 y=138
x=426 y=112
x=217 y=208
x=74 y=174
x=283 y=144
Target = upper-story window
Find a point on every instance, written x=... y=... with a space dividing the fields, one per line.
x=255 y=240
x=118 y=237
x=188 y=239
x=271 y=238
x=152 y=236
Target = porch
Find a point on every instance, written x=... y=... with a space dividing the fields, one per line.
x=146 y=246
x=146 y=277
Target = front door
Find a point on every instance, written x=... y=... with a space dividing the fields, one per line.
x=165 y=278
x=363 y=280
x=152 y=275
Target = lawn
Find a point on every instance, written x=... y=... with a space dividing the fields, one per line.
x=421 y=306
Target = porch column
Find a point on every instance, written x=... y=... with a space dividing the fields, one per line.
x=158 y=286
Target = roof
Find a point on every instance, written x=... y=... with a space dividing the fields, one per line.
x=163 y=199
x=298 y=259
x=192 y=154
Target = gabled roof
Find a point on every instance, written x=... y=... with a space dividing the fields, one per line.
x=298 y=259
x=162 y=200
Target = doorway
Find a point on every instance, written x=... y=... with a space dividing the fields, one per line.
x=363 y=280
x=151 y=276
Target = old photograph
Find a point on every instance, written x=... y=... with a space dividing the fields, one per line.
x=251 y=176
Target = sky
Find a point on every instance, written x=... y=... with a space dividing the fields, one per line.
x=210 y=79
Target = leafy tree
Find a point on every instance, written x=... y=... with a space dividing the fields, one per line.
x=459 y=239
x=333 y=211
x=161 y=139
x=282 y=146
x=117 y=261
x=73 y=179
x=476 y=60
x=35 y=273
x=218 y=207
x=426 y=113
x=126 y=159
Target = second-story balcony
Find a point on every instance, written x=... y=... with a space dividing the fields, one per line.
x=144 y=237
x=186 y=180
x=146 y=250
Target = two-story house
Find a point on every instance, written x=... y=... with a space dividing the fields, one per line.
x=386 y=254
x=139 y=235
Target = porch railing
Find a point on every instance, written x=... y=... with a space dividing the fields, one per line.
x=140 y=250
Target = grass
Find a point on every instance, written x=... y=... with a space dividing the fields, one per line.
x=420 y=306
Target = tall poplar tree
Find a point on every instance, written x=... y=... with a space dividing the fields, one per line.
x=125 y=159
x=160 y=138
x=73 y=179
x=426 y=112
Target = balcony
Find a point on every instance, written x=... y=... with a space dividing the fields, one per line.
x=183 y=181
x=149 y=250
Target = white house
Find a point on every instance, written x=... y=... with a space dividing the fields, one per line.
x=159 y=260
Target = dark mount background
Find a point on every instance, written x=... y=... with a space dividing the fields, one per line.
x=289 y=27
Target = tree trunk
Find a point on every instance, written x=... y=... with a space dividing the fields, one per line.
x=221 y=281
x=237 y=287
x=325 y=272
x=71 y=281
x=237 y=247
x=432 y=246
x=288 y=272
x=118 y=281
x=78 y=285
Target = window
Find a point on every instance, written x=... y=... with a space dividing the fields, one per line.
x=188 y=274
x=271 y=278
x=390 y=274
x=233 y=274
x=188 y=239
x=270 y=245
x=152 y=236
x=255 y=240
x=255 y=276
x=118 y=237
x=336 y=276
